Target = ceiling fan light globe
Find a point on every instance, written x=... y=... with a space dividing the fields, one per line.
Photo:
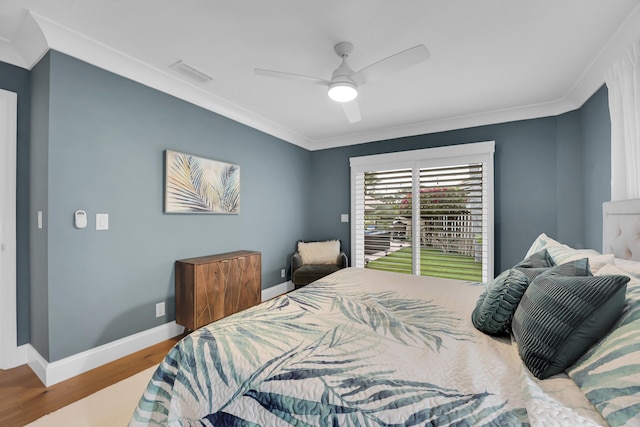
x=343 y=92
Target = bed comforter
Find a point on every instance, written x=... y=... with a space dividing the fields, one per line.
x=357 y=348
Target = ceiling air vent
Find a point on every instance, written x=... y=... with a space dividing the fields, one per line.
x=192 y=73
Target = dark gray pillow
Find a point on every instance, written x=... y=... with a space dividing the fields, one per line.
x=561 y=316
x=496 y=305
x=499 y=300
x=541 y=259
x=536 y=264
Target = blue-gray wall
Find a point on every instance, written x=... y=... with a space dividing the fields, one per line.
x=596 y=178
x=105 y=137
x=542 y=168
x=96 y=144
x=16 y=80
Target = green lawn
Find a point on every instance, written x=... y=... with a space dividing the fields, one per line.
x=432 y=263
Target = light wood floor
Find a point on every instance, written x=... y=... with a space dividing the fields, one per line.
x=23 y=398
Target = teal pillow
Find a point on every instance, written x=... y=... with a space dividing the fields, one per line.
x=496 y=305
x=536 y=264
x=499 y=300
x=579 y=267
x=541 y=259
x=560 y=316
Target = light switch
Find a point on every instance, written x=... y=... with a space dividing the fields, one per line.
x=102 y=221
x=344 y=217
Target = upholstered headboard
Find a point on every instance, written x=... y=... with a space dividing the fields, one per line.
x=621 y=229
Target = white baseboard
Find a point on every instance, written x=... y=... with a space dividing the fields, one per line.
x=51 y=373
x=277 y=290
x=16 y=357
x=54 y=372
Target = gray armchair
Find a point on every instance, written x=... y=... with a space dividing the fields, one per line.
x=308 y=266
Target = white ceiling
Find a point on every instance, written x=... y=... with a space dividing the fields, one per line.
x=491 y=60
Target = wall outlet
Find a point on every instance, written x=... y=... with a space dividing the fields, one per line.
x=159 y=309
x=283 y=273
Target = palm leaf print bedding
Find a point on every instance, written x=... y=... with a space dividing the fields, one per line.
x=357 y=348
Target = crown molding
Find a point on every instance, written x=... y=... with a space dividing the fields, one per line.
x=453 y=123
x=26 y=45
x=74 y=44
x=593 y=76
x=586 y=85
x=40 y=34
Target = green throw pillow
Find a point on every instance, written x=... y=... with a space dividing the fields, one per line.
x=536 y=264
x=496 y=305
x=499 y=300
x=560 y=316
x=541 y=259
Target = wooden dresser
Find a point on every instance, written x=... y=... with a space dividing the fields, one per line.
x=211 y=287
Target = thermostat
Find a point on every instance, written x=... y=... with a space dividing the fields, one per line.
x=80 y=218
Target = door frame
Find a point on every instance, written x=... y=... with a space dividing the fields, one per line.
x=9 y=354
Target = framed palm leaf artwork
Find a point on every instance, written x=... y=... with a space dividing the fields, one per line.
x=197 y=185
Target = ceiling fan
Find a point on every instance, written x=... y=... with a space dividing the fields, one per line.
x=344 y=82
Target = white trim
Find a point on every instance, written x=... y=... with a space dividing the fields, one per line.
x=527 y=112
x=408 y=158
x=9 y=354
x=67 y=41
x=51 y=373
x=29 y=43
x=415 y=220
x=593 y=76
x=54 y=372
x=34 y=44
x=277 y=290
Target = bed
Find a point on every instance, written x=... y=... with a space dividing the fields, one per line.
x=369 y=348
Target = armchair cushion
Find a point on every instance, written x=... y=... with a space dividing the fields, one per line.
x=319 y=252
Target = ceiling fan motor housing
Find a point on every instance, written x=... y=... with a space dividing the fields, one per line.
x=343 y=49
x=342 y=88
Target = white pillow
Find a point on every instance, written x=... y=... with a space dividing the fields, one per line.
x=319 y=252
x=612 y=269
x=562 y=254
x=631 y=268
x=633 y=288
x=542 y=242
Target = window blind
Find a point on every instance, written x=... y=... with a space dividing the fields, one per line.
x=451 y=221
x=432 y=218
x=387 y=210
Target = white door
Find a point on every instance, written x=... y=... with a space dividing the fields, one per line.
x=8 y=323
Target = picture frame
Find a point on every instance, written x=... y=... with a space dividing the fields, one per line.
x=198 y=185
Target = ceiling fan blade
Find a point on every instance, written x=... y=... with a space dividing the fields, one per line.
x=289 y=76
x=391 y=64
x=352 y=111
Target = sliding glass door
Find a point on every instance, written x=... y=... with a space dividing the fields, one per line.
x=432 y=218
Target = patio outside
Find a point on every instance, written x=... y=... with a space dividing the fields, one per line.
x=448 y=229
x=448 y=232
x=433 y=262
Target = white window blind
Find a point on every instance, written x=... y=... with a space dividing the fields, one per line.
x=426 y=212
x=387 y=218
